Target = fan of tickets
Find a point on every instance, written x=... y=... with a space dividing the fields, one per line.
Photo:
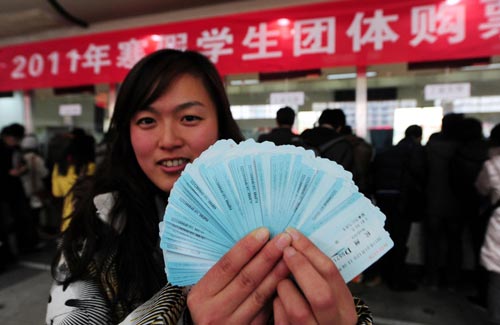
x=232 y=189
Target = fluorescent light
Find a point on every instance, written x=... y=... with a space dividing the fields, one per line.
x=482 y=67
x=238 y=82
x=283 y=22
x=341 y=76
x=156 y=37
x=250 y=81
x=338 y=76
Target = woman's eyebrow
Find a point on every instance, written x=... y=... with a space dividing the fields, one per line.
x=148 y=109
x=188 y=104
x=178 y=108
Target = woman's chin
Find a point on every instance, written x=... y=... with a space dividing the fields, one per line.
x=166 y=185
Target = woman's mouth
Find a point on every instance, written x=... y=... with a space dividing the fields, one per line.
x=173 y=162
x=173 y=165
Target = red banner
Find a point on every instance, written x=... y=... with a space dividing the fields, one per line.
x=349 y=33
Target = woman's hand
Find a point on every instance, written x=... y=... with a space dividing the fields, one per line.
x=319 y=294
x=239 y=288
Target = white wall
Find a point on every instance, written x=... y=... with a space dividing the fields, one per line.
x=11 y=110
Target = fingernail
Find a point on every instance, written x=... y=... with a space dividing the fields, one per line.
x=261 y=234
x=290 y=251
x=283 y=241
x=293 y=232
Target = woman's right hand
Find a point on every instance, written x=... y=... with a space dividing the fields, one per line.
x=239 y=288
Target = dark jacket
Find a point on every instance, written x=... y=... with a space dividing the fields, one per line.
x=280 y=136
x=327 y=143
x=441 y=199
x=400 y=171
x=363 y=157
x=318 y=135
x=464 y=169
x=11 y=186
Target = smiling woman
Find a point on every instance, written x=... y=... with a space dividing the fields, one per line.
x=174 y=130
x=109 y=269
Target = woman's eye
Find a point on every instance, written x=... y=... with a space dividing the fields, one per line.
x=191 y=118
x=145 y=121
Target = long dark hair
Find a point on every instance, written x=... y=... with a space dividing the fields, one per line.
x=79 y=152
x=133 y=251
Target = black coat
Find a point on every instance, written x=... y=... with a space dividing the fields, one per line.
x=442 y=200
x=280 y=136
x=400 y=171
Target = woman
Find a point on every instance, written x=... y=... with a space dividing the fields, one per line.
x=34 y=184
x=76 y=163
x=488 y=184
x=171 y=107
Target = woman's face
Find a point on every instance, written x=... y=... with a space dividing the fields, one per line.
x=174 y=131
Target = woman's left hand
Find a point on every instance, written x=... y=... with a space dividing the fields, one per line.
x=319 y=294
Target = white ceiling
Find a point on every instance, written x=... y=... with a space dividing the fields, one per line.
x=20 y=18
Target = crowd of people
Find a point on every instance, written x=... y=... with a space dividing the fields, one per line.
x=35 y=199
x=449 y=186
x=170 y=108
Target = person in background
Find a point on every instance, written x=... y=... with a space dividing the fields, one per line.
x=363 y=154
x=488 y=184
x=328 y=128
x=327 y=140
x=100 y=149
x=399 y=182
x=56 y=149
x=34 y=181
x=76 y=163
x=443 y=222
x=171 y=107
x=14 y=206
x=283 y=133
x=464 y=169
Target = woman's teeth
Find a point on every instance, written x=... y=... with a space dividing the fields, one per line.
x=173 y=163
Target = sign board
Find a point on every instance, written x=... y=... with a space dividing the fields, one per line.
x=447 y=91
x=287 y=98
x=312 y=36
x=70 y=110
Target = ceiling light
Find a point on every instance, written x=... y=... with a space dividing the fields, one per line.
x=338 y=76
x=492 y=66
x=238 y=82
x=283 y=22
x=156 y=37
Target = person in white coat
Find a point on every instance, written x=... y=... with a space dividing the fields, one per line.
x=488 y=184
x=33 y=179
x=33 y=184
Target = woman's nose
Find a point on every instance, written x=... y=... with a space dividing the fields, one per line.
x=170 y=138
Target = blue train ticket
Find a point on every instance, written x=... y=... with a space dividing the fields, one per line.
x=232 y=189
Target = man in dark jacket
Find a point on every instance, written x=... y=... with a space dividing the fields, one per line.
x=327 y=140
x=443 y=222
x=465 y=167
x=399 y=176
x=362 y=158
x=13 y=201
x=282 y=134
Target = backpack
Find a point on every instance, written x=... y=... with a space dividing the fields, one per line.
x=339 y=150
x=363 y=154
